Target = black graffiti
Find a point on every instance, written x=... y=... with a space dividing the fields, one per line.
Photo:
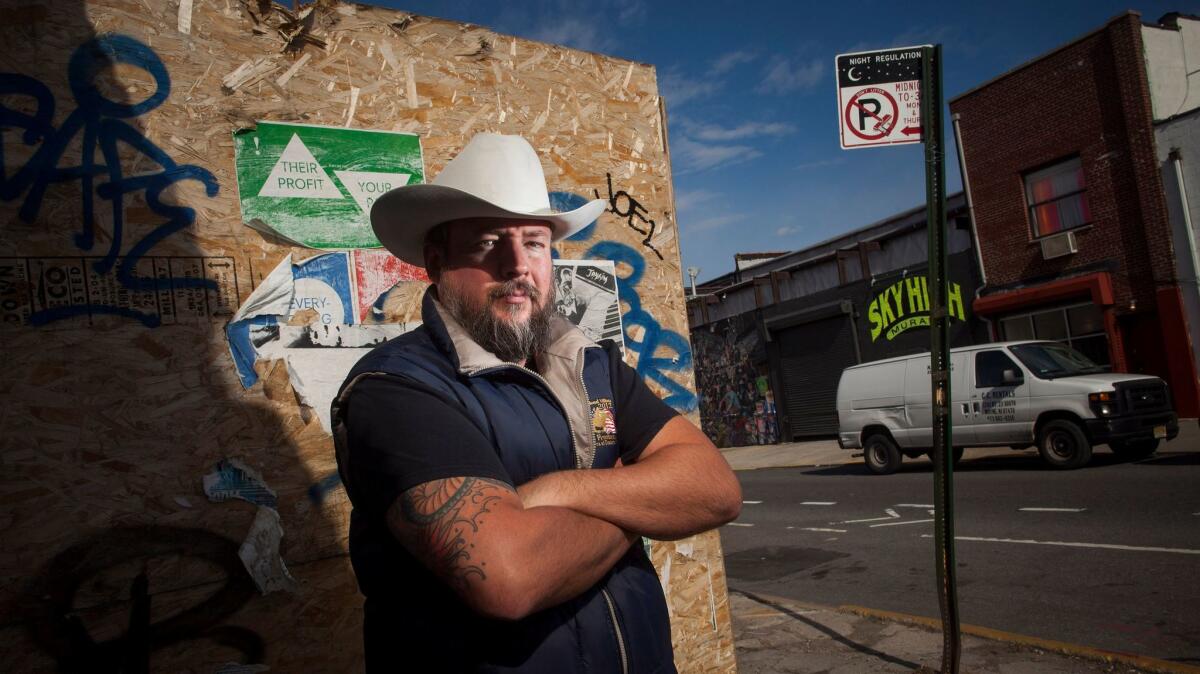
x=56 y=626
x=633 y=209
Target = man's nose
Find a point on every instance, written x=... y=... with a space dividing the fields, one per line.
x=514 y=261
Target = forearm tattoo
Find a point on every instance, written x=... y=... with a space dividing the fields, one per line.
x=433 y=519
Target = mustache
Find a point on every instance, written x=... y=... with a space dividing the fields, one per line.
x=514 y=286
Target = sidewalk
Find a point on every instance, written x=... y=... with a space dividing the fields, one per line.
x=773 y=634
x=779 y=635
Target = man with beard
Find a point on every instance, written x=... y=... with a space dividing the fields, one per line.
x=501 y=466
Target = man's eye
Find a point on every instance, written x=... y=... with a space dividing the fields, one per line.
x=486 y=243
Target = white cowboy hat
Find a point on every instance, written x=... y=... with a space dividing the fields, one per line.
x=494 y=176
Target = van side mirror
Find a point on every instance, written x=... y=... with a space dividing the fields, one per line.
x=1013 y=378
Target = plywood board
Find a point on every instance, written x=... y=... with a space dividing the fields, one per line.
x=123 y=257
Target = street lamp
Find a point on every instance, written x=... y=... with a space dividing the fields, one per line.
x=693 y=272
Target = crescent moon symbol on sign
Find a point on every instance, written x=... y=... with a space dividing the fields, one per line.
x=850 y=75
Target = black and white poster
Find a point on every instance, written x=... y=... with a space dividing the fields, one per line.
x=585 y=291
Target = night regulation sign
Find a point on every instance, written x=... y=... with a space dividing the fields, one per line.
x=879 y=100
x=315 y=185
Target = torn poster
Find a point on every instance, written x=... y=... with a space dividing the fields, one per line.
x=260 y=553
x=231 y=478
x=314 y=185
x=342 y=290
x=585 y=291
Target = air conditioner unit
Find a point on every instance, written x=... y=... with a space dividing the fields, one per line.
x=1059 y=245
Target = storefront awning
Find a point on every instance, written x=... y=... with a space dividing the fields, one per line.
x=1098 y=286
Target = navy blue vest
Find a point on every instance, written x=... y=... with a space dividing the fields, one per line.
x=559 y=420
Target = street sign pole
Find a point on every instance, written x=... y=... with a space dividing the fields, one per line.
x=939 y=367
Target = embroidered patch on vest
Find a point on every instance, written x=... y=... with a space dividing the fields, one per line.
x=604 y=425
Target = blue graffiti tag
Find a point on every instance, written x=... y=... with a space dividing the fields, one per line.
x=649 y=366
x=101 y=121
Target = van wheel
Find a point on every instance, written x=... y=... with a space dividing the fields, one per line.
x=881 y=454
x=1134 y=449
x=1063 y=444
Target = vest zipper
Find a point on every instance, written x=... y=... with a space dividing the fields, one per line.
x=612 y=611
x=586 y=396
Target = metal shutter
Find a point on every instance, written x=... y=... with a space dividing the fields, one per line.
x=812 y=357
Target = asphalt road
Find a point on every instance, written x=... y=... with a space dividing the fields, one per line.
x=1107 y=556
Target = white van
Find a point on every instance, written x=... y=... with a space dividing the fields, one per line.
x=1017 y=394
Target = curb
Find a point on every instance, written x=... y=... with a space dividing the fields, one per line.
x=1143 y=662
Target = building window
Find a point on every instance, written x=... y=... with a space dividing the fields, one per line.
x=1080 y=327
x=1057 y=198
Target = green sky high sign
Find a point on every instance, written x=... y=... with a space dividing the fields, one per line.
x=905 y=305
x=315 y=185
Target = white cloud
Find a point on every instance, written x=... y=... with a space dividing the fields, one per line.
x=691 y=156
x=688 y=199
x=783 y=76
x=788 y=231
x=731 y=60
x=678 y=88
x=572 y=32
x=630 y=11
x=710 y=222
x=819 y=163
x=713 y=132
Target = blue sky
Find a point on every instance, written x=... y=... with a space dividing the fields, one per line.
x=751 y=99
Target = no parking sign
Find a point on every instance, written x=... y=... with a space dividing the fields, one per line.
x=879 y=97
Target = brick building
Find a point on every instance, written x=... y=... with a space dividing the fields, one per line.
x=1073 y=222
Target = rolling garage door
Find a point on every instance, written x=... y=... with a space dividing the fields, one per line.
x=812 y=356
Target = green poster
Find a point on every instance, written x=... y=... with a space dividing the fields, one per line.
x=315 y=185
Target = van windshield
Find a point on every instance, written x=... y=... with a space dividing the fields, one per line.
x=1050 y=360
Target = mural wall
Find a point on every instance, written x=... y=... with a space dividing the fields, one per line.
x=174 y=307
x=737 y=405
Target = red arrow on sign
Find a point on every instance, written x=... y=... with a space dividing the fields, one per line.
x=910 y=130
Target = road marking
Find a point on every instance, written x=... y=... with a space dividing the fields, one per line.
x=751 y=502
x=834 y=531
x=896 y=524
x=891 y=512
x=822 y=503
x=1067 y=544
x=738 y=524
x=1052 y=510
x=869 y=519
x=912 y=505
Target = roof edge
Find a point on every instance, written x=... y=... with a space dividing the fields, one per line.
x=1018 y=68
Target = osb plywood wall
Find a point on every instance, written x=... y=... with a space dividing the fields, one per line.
x=120 y=393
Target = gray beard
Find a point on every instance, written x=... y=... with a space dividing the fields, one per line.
x=508 y=340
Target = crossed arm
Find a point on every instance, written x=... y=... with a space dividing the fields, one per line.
x=510 y=553
x=503 y=560
x=680 y=486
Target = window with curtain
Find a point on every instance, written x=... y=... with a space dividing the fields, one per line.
x=1057 y=198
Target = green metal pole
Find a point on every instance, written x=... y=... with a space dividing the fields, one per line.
x=939 y=366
